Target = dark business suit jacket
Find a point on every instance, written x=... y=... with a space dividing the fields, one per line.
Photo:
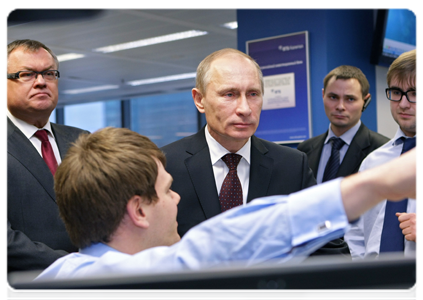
x=364 y=142
x=36 y=236
x=274 y=170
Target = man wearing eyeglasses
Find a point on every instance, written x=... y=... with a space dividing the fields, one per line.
x=35 y=147
x=389 y=228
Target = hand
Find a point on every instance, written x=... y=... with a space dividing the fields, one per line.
x=408 y=225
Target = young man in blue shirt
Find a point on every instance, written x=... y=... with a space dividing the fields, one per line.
x=114 y=197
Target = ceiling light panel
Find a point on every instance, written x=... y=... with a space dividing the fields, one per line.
x=151 y=41
x=91 y=89
x=162 y=79
x=69 y=56
x=231 y=25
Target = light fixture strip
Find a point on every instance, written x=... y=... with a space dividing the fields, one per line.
x=69 y=56
x=151 y=41
x=91 y=89
x=231 y=25
x=162 y=79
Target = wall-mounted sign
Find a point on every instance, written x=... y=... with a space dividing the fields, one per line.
x=285 y=117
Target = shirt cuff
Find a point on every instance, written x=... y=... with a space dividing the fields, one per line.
x=317 y=212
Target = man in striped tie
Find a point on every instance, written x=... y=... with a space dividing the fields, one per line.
x=390 y=227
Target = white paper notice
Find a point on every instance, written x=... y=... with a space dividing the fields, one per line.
x=279 y=91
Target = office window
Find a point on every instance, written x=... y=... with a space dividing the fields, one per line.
x=53 y=116
x=94 y=115
x=164 y=118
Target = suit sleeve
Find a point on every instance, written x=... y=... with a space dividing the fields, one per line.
x=24 y=254
x=308 y=177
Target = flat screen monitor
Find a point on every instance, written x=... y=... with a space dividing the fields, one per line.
x=395 y=33
x=318 y=278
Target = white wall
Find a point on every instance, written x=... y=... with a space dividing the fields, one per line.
x=385 y=123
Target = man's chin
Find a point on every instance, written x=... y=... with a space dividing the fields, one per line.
x=242 y=132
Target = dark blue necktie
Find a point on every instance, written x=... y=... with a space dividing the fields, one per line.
x=392 y=239
x=334 y=161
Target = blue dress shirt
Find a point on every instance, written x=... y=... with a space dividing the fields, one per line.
x=347 y=137
x=274 y=228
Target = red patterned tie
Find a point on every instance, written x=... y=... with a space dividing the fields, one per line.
x=231 y=191
x=47 y=150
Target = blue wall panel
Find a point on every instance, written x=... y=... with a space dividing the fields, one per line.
x=336 y=37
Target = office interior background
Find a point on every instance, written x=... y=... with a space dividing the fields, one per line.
x=136 y=68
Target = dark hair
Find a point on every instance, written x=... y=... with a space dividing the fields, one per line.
x=101 y=172
x=348 y=72
x=30 y=45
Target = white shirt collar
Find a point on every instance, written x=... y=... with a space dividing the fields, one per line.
x=27 y=129
x=348 y=136
x=397 y=136
x=217 y=150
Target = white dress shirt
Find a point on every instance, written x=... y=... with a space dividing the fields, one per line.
x=29 y=130
x=274 y=229
x=220 y=169
x=347 y=137
x=364 y=237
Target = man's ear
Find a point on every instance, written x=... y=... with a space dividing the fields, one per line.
x=137 y=212
x=198 y=99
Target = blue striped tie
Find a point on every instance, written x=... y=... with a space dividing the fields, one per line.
x=334 y=161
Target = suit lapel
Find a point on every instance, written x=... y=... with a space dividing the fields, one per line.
x=260 y=170
x=315 y=153
x=23 y=151
x=62 y=139
x=355 y=153
x=201 y=173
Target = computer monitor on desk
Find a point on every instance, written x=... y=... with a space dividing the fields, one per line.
x=316 y=279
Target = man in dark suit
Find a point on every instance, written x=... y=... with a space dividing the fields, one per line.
x=345 y=96
x=36 y=236
x=229 y=89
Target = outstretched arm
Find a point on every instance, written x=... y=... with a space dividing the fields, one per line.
x=395 y=181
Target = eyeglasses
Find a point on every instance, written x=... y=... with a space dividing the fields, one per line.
x=48 y=75
x=395 y=94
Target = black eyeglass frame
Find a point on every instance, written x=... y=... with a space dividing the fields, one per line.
x=16 y=75
x=402 y=94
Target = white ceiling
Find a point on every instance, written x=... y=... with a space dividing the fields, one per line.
x=108 y=27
